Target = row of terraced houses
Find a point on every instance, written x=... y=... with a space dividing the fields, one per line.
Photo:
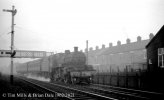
x=131 y=56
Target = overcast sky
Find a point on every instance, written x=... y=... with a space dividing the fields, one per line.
x=57 y=25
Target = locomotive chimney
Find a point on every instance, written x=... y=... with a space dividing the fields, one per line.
x=75 y=49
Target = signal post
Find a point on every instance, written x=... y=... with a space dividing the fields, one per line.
x=13 y=12
x=19 y=53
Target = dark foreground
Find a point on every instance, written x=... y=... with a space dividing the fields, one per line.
x=19 y=90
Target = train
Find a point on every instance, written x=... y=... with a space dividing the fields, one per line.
x=68 y=67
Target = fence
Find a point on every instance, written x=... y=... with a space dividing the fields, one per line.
x=129 y=77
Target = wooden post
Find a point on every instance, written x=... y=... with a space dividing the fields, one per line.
x=126 y=77
x=110 y=75
x=118 y=75
x=49 y=62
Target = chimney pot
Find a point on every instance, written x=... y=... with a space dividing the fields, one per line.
x=97 y=47
x=90 y=49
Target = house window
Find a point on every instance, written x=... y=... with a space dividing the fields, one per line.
x=150 y=62
x=96 y=60
x=144 y=54
x=161 y=57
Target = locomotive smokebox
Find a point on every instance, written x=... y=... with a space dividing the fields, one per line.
x=75 y=49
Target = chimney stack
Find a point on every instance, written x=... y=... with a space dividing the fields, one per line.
x=85 y=49
x=110 y=44
x=97 y=47
x=139 y=39
x=127 y=40
x=75 y=49
x=118 y=43
x=103 y=46
x=90 y=49
x=151 y=35
x=67 y=52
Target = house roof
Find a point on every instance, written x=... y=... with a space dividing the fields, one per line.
x=159 y=32
x=133 y=46
x=127 y=47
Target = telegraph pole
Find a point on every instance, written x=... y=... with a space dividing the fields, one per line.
x=49 y=64
x=87 y=51
x=13 y=12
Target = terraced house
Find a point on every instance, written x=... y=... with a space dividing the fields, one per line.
x=131 y=55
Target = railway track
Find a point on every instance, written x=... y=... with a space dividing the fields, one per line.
x=118 y=93
x=127 y=94
x=97 y=91
x=66 y=92
x=21 y=90
x=48 y=93
x=132 y=92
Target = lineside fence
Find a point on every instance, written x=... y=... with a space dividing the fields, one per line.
x=127 y=77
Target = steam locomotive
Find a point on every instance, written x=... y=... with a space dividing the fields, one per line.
x=68 y=67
